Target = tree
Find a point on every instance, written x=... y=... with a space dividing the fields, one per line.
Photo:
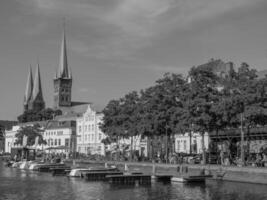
x=112 y=120
x=31 y=132
x=43 y=115
x=202 y=95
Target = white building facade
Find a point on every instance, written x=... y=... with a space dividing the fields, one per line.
x=60 y=137
x=182 y=143
x=89 y=135
x=10 y=138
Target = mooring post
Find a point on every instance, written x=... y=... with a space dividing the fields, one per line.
x=126 y=167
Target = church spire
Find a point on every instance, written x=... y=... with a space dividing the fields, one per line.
x=37 y=87
x=28 y=91
x=63 y=71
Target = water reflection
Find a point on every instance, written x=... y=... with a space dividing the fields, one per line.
x=16 y=184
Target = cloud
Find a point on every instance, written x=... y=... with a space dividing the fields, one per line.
x=117 y=29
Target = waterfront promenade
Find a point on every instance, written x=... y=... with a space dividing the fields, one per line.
x=224 y=173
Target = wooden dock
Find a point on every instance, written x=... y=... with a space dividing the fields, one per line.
x=48 y=167
x=99 y=175
x=61 y=171
x=129 y=179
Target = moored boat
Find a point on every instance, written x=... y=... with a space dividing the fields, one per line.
x=79 y=172
x=191 y=179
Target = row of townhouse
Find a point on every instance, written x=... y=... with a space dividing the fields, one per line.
x=66 y=134
x=83 y=134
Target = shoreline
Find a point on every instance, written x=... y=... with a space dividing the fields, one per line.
x=255 y=175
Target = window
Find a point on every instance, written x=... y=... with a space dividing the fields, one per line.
x=85 y=128
x=178 y=145
x=93 y=127
x=85 y=138
x=59 y=142
x=55 y=142
x=185 y=145
x=51 y=142
x=80 y=128
x=60 y=133
x=99 y=136
x=67 y=142
x=92 y=137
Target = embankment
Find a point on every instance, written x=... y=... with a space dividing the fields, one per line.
x=226 y=173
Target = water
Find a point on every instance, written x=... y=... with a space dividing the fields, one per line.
x=16 y=184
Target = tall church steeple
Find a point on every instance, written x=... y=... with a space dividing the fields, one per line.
x=37 y=102
x=63 y=79
x=28 y=91
x=63 y=70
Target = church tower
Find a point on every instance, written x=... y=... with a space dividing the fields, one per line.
x=28 y=91
x=63 y=79
x=36 y=102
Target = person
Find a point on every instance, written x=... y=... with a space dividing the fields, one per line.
x=258 y=160
x=264 y=160
x=15 y=158
x=222 y=157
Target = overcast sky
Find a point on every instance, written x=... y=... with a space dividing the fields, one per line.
x=116 y=46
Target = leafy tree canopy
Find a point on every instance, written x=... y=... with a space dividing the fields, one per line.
x=31 y=132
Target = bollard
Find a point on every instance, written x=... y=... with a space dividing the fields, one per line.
x=106 y=165
x=153 y=169
x=126 y=167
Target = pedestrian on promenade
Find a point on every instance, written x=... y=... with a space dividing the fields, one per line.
x=222 y=157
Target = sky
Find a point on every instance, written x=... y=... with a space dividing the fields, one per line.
x=117 y=46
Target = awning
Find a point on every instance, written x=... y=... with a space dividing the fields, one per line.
x=57 y=148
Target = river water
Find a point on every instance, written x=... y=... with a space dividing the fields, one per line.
x=17 y=184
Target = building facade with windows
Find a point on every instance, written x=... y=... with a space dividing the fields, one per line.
x=182 y=143
x=10 y=138
x=60 y=137
x=89 y=135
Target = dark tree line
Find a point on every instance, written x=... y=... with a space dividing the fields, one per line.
x=43 y=115
x=203 y=102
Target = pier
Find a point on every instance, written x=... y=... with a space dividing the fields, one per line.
x=99 y=175
x=129 y=179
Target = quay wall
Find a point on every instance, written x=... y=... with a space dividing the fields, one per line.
x=225 y=173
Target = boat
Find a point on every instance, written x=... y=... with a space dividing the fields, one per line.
x=34 y=165
x=191 y=179
x=24 y=165
x=79 y=172
x=16 y=164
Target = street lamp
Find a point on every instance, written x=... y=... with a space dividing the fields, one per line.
x=242 y=142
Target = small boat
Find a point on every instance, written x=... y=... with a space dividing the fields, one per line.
x=191 y=179
x=24 y=165
x=34 y=165
x=16 y=164
x=79 y=172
